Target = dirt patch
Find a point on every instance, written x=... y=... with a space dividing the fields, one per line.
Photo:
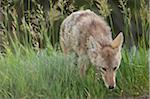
x=134 y=97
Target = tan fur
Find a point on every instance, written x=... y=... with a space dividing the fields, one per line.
x=89 y=36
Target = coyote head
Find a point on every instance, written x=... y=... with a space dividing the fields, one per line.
x=106 y=58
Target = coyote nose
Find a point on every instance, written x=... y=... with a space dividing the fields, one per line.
x=111 y=87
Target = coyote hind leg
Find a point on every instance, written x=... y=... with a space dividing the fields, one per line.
x=83 y=69
x=63 y=47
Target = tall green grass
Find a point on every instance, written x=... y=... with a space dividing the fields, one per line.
x=49 y=74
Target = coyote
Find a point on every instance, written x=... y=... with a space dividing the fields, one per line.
x=89 y=36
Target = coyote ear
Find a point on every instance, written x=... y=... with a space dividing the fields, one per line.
x=117 y=42
x=92 y=44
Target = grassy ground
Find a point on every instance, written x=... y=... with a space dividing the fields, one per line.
x=50 y=75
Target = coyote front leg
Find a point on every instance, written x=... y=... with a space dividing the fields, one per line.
x=83 y=63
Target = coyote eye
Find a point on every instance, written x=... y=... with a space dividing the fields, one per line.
x=104 y=68
x=115 y=68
